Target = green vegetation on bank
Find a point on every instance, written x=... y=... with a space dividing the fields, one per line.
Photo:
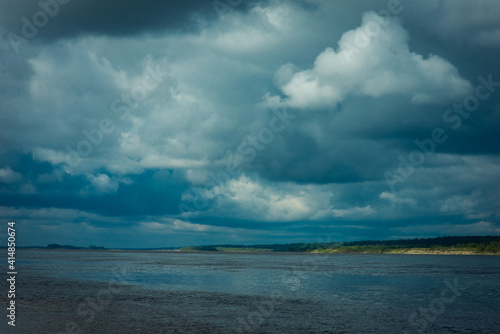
x=439 y=245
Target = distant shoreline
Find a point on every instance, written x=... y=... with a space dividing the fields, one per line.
x=411 y=251
x=450 y=245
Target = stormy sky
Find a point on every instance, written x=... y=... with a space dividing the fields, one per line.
x=169 y=123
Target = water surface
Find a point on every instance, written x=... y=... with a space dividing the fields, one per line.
x=355 y=292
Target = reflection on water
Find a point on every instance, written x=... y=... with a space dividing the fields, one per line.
x=353 y=275
x=382 y=287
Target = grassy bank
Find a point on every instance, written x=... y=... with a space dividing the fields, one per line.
x=463 y=245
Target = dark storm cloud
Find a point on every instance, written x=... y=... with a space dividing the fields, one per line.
x=151 y=193
x=70 y=18
x=358 y=111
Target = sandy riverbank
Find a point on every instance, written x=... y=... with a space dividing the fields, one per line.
x=419 y=251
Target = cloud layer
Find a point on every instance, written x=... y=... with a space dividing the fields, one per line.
x=177 y=123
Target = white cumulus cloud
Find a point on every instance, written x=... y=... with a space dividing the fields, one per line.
x=372 y=60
